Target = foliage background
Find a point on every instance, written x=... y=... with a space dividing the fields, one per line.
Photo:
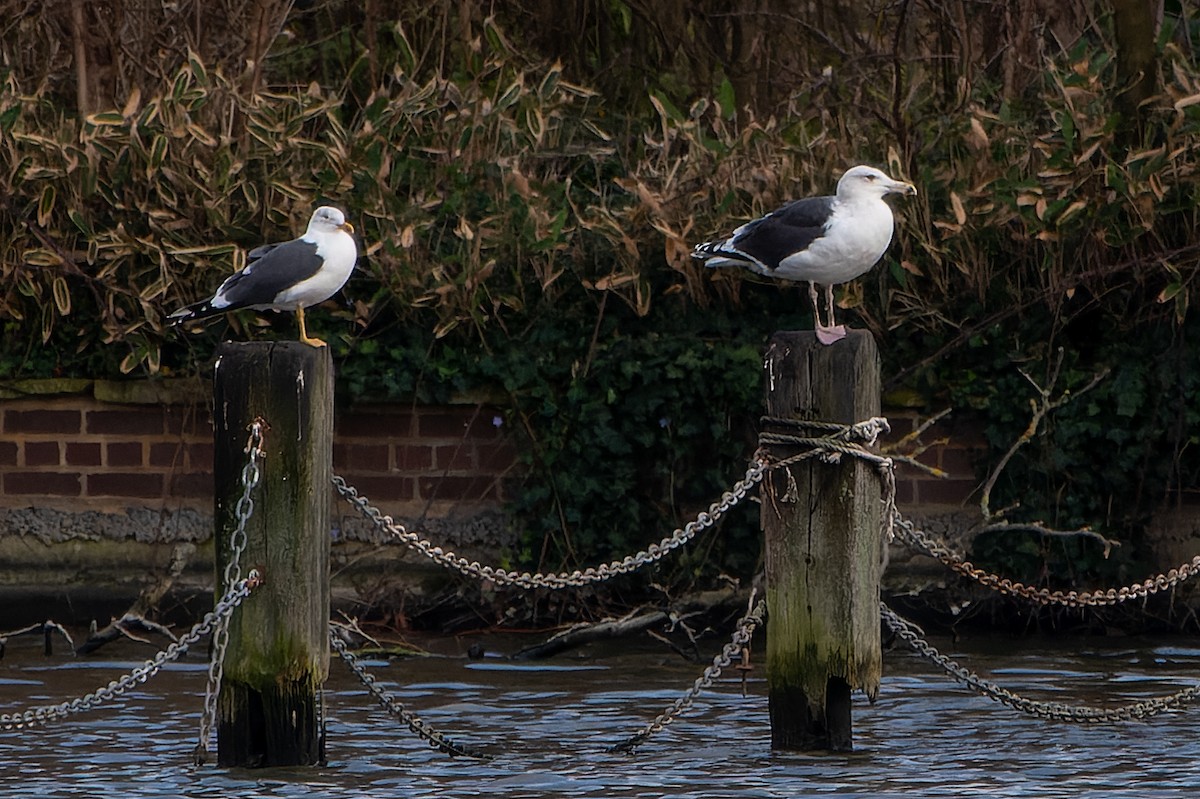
x=528 y=178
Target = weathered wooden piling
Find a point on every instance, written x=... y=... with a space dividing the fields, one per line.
x=823 y=546
x=278 y=654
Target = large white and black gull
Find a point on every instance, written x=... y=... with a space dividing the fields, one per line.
x=826 y=240
x=287 y=277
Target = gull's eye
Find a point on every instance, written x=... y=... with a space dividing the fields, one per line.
x=869 y=177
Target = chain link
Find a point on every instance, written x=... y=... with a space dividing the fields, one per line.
x=1054 y=711
x=926 y=544
x=220 y=613
x=392 y=705
x=741 y=639
x=251 y=474
x=592 y=574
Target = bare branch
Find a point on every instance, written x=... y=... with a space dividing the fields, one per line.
x=1039 y=409
x=1041 y=529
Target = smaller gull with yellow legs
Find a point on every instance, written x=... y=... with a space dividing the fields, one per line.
x=290 y=276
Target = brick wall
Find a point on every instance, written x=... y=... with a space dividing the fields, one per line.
x=78 y=453
x=952 y=448
x=418 y=458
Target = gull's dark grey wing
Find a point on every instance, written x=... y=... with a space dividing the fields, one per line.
x=786 y=231
x=272 y=268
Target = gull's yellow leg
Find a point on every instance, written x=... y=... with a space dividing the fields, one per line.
x=312 y=342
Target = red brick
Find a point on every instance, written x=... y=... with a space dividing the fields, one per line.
x=929 y=457
x=83 y=454
x=457 y=424
x=42 y=453
x=905 y=471
x=148 y=421
x=166 y=455
x=339 y=455
x=56 y=484
x=413 y=457
x=901 y=422
x=365 y=424
x=959 y=462
x=945 y=492
x=124 y=484
x=361 y=457
x=455 y=456
x=192 y=485
x=379 y=488
x=8 y=453
x=496 y=458
x=470 y=489
x=123 y=453
x=42 y=422
x=200 y=457
x=962 y=433
x=189 y=420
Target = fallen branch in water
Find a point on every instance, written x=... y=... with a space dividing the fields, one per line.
x=133 y=624
x=46 y=628
x=637 y=621
x=581 y=634
x=129 y=626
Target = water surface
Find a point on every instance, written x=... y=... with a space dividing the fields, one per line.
x=549 y=725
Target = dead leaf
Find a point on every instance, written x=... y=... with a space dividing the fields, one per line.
x=960 y=213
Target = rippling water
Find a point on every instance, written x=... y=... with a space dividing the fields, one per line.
x=549 y=725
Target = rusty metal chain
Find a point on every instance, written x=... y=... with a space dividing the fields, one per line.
x=220 y=613
x=392 y=705
x=1054 y=711
x=251 y=475
x=592 y=574
x=927 y=544
x=740 y=640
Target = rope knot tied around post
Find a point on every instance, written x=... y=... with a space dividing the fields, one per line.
x=828 y=442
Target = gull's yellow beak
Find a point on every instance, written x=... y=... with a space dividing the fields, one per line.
x=346 y=226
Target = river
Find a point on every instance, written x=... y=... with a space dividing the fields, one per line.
x=549 y=724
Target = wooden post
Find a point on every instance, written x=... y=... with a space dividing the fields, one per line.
x=278 y=653
x=823 y=546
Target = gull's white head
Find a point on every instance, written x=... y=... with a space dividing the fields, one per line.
x=867 y=181
x=328 y=219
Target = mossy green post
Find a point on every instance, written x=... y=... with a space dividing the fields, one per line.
x=823 y=546
x=278 y=653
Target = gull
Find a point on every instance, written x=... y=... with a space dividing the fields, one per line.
x=290 y=276
x=827 y=240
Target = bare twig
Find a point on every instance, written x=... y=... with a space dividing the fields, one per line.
x=1041 y=529
x=45 y=628
x=350 y=627
x=913 y=450
x=911 y=460
x=125 y=627
x=586 y=633
x=134 y=621
x=1039 y=409
x=676 y=648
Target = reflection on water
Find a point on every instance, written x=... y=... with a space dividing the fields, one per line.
x=549 y=726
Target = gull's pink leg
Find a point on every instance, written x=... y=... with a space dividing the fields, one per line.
x=832 y=333
x=816 y=304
